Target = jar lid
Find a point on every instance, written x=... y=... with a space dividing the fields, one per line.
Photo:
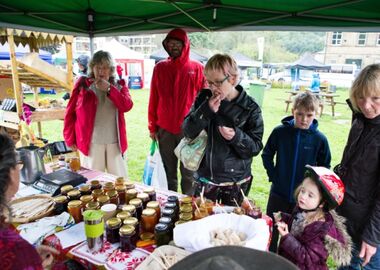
x=103 y=198
x=129 y=184
x=131 y=221
x=94 y=182
x=148 y=212
x=167 y=212
x=113 y=222
x=143 y=196
x=129 y=208
x=127 y=229
x=161 y=227
x=186 y=208
x=66 y=188
x=146 y=236
x=165 y=220
x=172 y=198
x=170 y=205
x=97 y=192
x=74 y=203
x=119 y=181
x=84 y=188
x=92 y=205
x=132 y=191
x=123 y=215
x=120 y=187
x=135 y=202
x=112 y=193
x=92 y=215
x=60 y=199
x=186 y=216
x=186 y=199
x=73 y=193
x=108 y=185
x=149 y=190
x=86 y=198
x=153 y=204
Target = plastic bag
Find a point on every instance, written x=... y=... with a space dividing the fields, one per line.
x=149 y=164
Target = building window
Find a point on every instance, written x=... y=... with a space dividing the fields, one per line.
x=336 y=38
x=362 y=38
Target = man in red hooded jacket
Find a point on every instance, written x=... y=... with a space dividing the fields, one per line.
x=175 y=84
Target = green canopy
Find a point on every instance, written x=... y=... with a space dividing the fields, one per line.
x=117 y=17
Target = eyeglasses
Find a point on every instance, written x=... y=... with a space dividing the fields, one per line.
x=218 y=83
x=19 y=164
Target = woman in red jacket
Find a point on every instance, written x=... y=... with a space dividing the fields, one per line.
x=94 y=120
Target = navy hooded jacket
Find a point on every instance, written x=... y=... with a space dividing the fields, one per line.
x=293 y=148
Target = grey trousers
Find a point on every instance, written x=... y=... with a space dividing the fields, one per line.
x=167 y=142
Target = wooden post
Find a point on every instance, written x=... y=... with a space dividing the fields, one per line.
x=15 y=78
x=39 y=125
x=69 y=57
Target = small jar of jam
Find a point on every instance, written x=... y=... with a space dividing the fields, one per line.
x=151 y=192
x=121 y=191
x=162 y=234
x=127 y=238
x=114 y=196
x=144 y=197
x=132 y=221
x=112 y=230
x=74 y=194
x=119 y=181
x=156 y=206
x=103 y=199
x=96 y=193
x=95 y=184
x=123 y=215
x=169 y=212
x=65 y=189
x=129 y=185
x=173 y=206
x=173 y=199
x=130 y=194
x=86 y=199
x=75 y=210
x=186 y=216
x=131 y=209
x=74 y=164
x=85 y=190
x=108 y=186
x=60 y=204
x=92 y=206
x=186 y=200
x=138 y=204
x=148 y=220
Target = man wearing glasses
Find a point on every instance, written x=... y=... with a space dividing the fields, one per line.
x=175 y=84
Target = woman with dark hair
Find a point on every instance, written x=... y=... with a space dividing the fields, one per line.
x=94 y=120
x=15 y=252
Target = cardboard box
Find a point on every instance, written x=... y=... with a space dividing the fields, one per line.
x=6 y=88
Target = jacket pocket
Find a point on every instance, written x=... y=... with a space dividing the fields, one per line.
x=234 y=166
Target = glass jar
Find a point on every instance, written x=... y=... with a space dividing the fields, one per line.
x=156 y=206
x=148 y=220
x=114 y=196
x=151 y=192
x=85 y=199
x=73 y=194
x=144 y=197
x=75 y=210
x=162 y=234
x=186 y=200
x=60 y=204
x=168 y=221
x=123 y=215
x=65 y=189
x=186 y=208
x=130 y=194
x=138 y=204
x=108 y=187
x=132 y=221
x=103 y=199
x=112 y=230
x=119 y=181
x=85 y=190
x=95 y=184
x=169 y=212
x=129 y=185
x=96 y=193
x=121 y=191
x=131 y=209
x=127 y=238
x=74 y=164
x=186 y=216
x=174 y=206
x=173 y=199
x=147 y=236
x=61 y=161
x=92 y=206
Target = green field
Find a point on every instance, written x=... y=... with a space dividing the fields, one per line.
x=335 y=128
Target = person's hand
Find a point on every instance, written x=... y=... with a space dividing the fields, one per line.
x=153 y=135
x=277 y=216
x=73 y=147
x=102 y=84
x=46 y=253
x=214 y=102
x=227 y=132
x=282 y=228
x=366 y=252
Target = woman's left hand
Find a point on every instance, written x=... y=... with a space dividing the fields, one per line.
x=46 y=253
x=102 y=84
x=366 y=252
x=227 y=132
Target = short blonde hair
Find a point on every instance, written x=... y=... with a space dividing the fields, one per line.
x=224 y=63
x=102 y=57
x=366 y=84
x=306 y=100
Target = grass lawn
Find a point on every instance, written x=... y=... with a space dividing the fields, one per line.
x=335 y=128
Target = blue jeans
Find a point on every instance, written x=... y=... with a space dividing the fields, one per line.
x=356 y=261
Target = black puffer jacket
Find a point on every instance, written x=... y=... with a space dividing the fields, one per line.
x=226 y=161
x=360 y=172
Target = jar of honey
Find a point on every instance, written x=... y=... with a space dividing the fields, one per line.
x=156 y=206
x=92 y=206
x=95 y=184
x=138 y=204
x=148 y=220
x=75 y=210
x=60 y=204
x=108 y=187
x=151 y=192
x=119 y=181
x=112 y=230
x=96 y=193
x=103 y=199
x=130 y=194
x=65 y=189
x=131 y=209
x=127 y=238
x=74 y=164
x=121 y=191
x=85 y=190
x=86 y=199
x=114 y=196
x=144 y=197
x=123 y=215
x=74 y=194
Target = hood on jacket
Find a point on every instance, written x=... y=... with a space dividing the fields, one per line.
x=289 y=121
x=181 y=35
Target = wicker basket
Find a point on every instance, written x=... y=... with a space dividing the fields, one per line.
x=46 y=212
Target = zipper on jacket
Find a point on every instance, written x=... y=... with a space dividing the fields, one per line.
x=294 y=165
x=212 y=147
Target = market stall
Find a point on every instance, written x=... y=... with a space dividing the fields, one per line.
x=34 y=72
